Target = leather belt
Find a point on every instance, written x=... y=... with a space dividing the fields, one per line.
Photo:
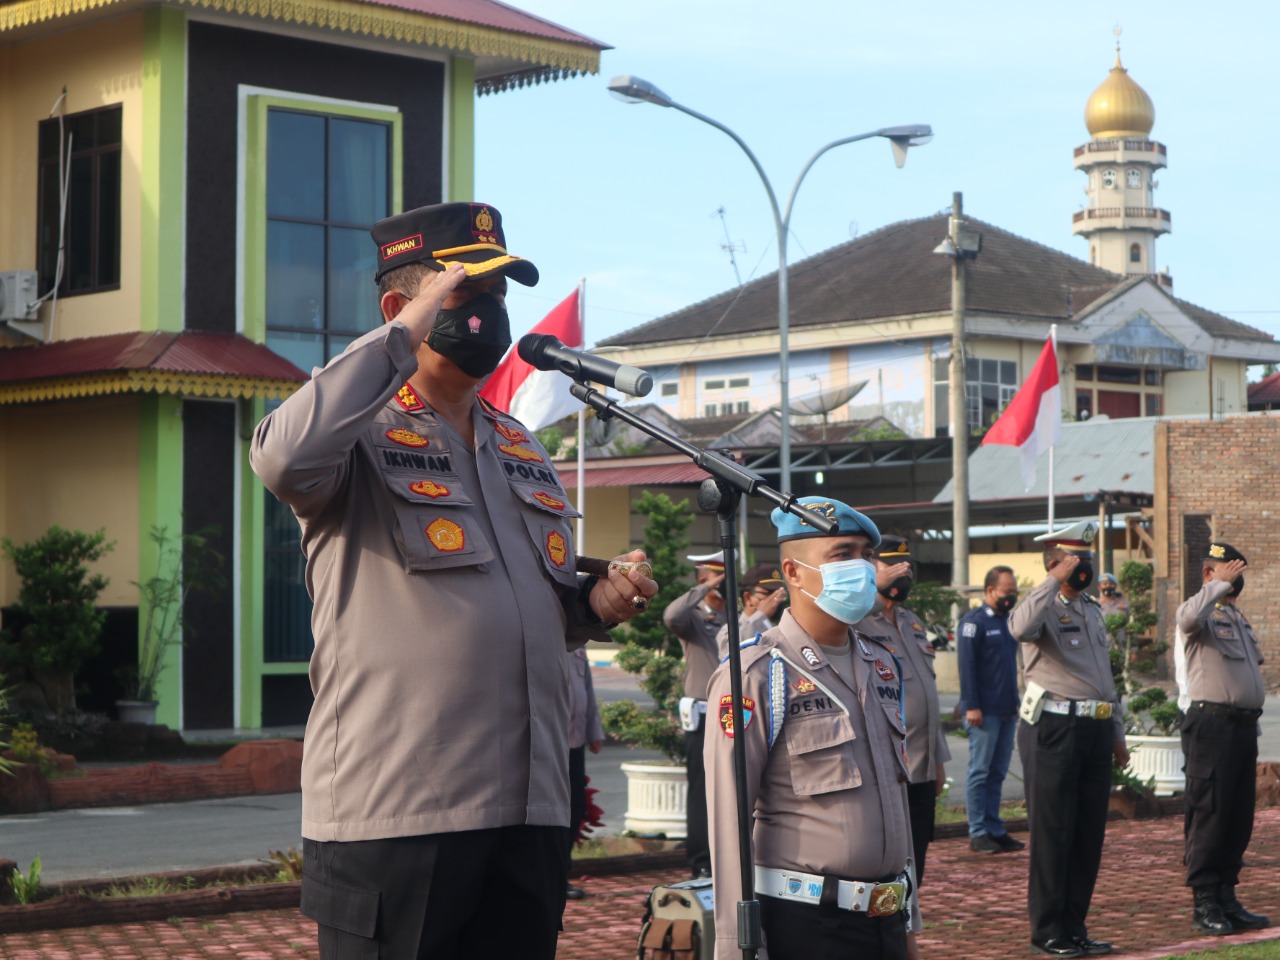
x=1093 y=709
x=875 y=899
x=1224 y=711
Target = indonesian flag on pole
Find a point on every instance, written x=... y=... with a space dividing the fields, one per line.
x=538 y=398
x=1032 y=421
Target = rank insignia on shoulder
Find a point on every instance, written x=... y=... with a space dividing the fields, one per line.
x=556 y=549
x=409 y=400
x=406 y=438
x=810 y=657
x=862 y=645
x=446 y=535
x=917 y=627
x=726 y=713
x=884 y=672
x=547 y=500
x=805 y=685
x=429 y=488
x=511 y=433
x=520 y=453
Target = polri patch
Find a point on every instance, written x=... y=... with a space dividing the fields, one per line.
x=726 y=713
x=447 y=536
x=557 y=552
x=407 y=438
x=429 y=488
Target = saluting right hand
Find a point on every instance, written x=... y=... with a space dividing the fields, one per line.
x=886 y=575
x=419 y=314
x=1226 y=572
x=1062 y=567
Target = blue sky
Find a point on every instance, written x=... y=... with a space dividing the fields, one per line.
x=626 y=195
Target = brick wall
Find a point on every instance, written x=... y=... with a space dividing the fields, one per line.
x=1227 y=472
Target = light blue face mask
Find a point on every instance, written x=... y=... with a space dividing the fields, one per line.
x=848 y=589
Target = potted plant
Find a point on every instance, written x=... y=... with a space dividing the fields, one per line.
x=1151 y=723
x=183 y=563
x=1134 y=648
x=655 y=789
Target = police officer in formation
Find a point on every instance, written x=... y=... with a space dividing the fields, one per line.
x=696 y=619
x=826 y=761
x=903 y=634
x=1221 y=693
x=1069 y=737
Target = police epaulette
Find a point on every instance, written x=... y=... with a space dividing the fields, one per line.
x=1089 y=599
x=743 y=645
x=490 y=409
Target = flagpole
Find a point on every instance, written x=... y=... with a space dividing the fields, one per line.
x=1053 y=338
x=582 y=428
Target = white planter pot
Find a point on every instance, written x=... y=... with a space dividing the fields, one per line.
x=1158 y=757
x=656 y=796
x=137 y=711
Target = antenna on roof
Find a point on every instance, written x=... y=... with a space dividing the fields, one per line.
x=729 y=246
x=1070 y=311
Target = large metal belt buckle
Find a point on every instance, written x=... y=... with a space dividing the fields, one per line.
x=1102 y=712
x=887 y=899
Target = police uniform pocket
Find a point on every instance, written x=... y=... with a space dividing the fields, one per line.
x=553 y=542
x=1227 y=639
x=348 y=918
x=1200 y=785
x=930 y=655
x=821 y=754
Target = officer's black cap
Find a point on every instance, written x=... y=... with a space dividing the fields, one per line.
x=893 y=549
x=445 y=233
x=1223 y=552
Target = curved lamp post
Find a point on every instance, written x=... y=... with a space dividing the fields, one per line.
x=635 y=90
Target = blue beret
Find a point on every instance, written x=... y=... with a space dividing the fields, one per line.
x=791 y=527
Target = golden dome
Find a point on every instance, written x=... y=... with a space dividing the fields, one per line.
x=1119 y=107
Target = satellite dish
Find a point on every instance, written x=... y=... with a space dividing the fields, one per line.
x=824 y=401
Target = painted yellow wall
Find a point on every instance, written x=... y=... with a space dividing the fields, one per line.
x=1189 y=391
x=61 y=463
x=608 y=517
x=1027 y=567
x=99 y=66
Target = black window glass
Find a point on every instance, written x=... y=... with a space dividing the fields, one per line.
x=357 y=171
x=295 y=165
x=295 y=278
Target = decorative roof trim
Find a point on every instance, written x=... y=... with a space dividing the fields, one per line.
x=145 y=381
x=351 y=16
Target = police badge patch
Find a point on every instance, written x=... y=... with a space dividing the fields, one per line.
x=726 y=713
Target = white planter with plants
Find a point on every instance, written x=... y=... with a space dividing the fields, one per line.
x=657 y=791
x=1157 y=759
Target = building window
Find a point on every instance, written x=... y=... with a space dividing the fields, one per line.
x=1135 y=253
x=669 y=390
x=1120 y=374
x=1084 y=404
x=713 y=385
x=989 y=386
x=1084 y=371
x=1133 y=178
x=1109 y=179
x=328 y=182
x=1151 y=377
x=1153 y=404
x=87 y=155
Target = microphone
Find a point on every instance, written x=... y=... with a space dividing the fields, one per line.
x=545 y=352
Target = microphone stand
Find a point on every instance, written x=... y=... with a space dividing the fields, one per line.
x=721 y=493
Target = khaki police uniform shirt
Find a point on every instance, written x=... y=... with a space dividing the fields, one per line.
x=1217 y=652
x=696 y=626
x=1065 y=647
x=584 y=713
x=902 y=632
x=830 y=797
x=439 y=670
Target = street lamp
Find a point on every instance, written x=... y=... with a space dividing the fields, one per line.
x=635 y=90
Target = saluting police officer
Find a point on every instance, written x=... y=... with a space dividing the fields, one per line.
x=696 y=618
x=826 y=767
x=1069 y=737
x=763 y=595
x=1221 y=693
x=902 y=632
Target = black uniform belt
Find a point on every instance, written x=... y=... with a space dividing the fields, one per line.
x=1224 y=711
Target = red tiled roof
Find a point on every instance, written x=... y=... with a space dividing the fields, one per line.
x=217 y=354
x=1265 y=391
x=491 y=13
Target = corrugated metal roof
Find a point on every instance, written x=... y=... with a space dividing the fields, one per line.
x=1094 y=455
x=221 y=354
x=636 y=476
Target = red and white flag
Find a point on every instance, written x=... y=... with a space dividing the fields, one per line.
x=538 y=398
x=1032 y=421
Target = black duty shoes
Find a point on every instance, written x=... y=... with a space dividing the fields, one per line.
x=1058 y=947
x=1008 y=844
x=984 y=844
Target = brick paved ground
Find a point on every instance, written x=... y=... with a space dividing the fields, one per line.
x=974 y=909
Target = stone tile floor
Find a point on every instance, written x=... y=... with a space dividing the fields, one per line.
x=974 y=908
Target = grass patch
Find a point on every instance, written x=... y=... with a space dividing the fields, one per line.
x=592 y=848
x=1264 y=950
x=146 y=887
x=1008 y=811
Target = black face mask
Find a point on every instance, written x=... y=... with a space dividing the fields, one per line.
x=1108 y=591
x=898 y=590
x=1005 y=604
x=1081 y=576
x=474 y=336
x=1236 y=586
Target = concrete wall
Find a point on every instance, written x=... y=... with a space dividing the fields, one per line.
x=1223 y=471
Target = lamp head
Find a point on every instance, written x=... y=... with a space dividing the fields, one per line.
x=631 y=89
x=908 y=135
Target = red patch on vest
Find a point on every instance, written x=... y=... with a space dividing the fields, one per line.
x=726 y=713
x=883 y=670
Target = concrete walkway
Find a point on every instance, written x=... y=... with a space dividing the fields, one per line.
x=974 y=908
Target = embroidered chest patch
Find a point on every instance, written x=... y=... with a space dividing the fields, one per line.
x=726 y=713
x=447 y=536
x=520 y=453
x=547 y=500
x=511 y=433
x=406 y=438
x=884 y=672
x=557 y=552
x=805 y=685
x=429 y=488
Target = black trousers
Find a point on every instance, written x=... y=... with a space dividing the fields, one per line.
x=476 y=895
x=1222 y=763
x=697 y=845
x=800 y=931
x=1067 y=764
x=577 y=797
x=922 y=801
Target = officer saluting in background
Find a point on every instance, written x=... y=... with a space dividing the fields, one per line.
x=1221 y=692
x=826 y=767
x=1070 y=735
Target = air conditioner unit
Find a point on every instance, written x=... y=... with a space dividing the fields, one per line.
x=18 y=295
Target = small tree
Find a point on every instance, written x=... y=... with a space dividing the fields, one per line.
x=647 y=647
x=933 y=603
x=1134 y=646
x=56 y=606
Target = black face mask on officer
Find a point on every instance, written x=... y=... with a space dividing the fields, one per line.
x=1005 y=604
x=1082 y=575
x=474 y=336
x=898 y=590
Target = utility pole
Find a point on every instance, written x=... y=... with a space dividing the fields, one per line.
x=959 y=414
